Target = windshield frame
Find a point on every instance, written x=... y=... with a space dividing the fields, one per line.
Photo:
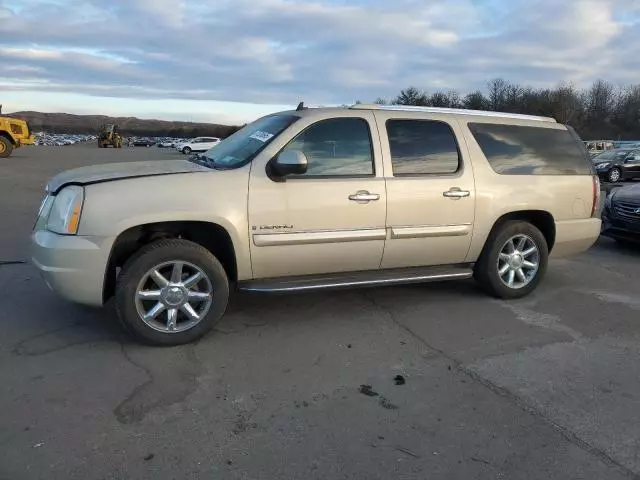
x=247 y=131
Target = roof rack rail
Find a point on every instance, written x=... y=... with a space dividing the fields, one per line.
x=456 y=111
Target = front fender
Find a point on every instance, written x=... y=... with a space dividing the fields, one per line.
x=214 y=197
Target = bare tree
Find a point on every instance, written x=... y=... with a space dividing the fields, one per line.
x=412 y=96
x=601 y=111
x=475 y=101
x=497 y=93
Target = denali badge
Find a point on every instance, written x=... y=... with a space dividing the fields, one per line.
x=275 y=227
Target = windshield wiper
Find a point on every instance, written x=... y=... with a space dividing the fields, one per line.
x=203 y=160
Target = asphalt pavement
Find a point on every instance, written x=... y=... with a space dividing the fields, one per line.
x=430 y=381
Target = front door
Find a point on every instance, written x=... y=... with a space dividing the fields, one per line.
x=331 y=219
x=430 y=191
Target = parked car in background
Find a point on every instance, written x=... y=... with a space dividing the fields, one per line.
x=618 y=165
x=198 y=144
x=621 y=214
x=323 y=198
x=167 y=143
x=143 y=142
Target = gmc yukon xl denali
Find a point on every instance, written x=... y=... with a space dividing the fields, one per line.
x=308 y=199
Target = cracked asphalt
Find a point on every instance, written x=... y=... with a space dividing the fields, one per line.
x=541 y=388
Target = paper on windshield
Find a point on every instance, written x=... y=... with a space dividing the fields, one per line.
x=261 y=136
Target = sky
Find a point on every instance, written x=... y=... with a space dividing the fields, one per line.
x=230 y=61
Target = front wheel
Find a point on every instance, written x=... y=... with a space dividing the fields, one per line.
x=513 y=261
x=171 y=292
x=614 y=175
x=186 y=150
x=5 y=147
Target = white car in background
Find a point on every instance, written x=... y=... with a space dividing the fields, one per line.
x=199 y=144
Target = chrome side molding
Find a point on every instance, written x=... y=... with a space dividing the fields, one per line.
x=311 y=237
x=427 y=231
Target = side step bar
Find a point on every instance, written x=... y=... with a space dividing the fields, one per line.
x=371 y=278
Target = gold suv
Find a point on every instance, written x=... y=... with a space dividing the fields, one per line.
x=319 y=198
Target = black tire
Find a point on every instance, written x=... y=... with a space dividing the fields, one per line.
x=623 y=242
x=6 y=147
x=486 y=268
x=614 y=175
x=186 y=150
x=155 y=254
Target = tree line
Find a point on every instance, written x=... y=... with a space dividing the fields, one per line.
x=601 y=111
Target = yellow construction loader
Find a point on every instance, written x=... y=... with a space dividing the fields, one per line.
x=14 y=133
x=110 y=136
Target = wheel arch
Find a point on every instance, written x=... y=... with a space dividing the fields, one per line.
x=5 y=134
x=541 y=219
x=212 y=236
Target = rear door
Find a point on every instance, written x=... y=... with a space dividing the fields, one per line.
x=430 y=190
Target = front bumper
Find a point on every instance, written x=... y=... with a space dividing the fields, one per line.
x=618 y=228
x=72 y=266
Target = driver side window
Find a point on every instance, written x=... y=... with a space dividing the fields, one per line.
x=336 y=147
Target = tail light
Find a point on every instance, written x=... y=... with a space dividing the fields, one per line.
x=596 y=196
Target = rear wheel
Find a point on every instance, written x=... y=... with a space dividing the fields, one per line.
x=6 y=147
x=171 y=292
x=513 y=261
x=614 y=175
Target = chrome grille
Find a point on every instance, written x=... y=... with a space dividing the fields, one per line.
x=627 y=210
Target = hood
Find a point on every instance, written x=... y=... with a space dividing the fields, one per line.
x=630 y=193
x=117 y=171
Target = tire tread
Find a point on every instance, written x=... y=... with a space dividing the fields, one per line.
x=129 y=273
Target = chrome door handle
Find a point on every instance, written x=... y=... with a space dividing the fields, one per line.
x=456 y=193
x=364 y=196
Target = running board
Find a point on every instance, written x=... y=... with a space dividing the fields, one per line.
x=370 y=278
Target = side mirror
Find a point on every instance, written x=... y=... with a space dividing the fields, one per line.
x=290 y=162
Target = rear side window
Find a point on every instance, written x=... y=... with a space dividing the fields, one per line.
x=422 y=147
x=520 y=150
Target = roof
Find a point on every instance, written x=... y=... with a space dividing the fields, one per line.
x=451 y=111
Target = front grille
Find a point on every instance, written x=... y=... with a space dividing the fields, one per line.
x=627 y=211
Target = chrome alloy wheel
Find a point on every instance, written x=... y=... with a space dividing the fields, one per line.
x=173 y=297
x=518 y=261
x=614 y=175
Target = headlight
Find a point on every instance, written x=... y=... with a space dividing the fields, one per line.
x=607 y=201
x=600 y=166
x=64 y=217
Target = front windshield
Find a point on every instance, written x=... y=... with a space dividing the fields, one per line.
x=603 y=156
x=610 y=155
x=241 y=147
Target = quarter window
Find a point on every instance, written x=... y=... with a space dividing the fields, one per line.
x=522 y=150
x=422 y=147
x=336 y=147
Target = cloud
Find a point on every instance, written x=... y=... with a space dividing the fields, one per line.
x=329 y=51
